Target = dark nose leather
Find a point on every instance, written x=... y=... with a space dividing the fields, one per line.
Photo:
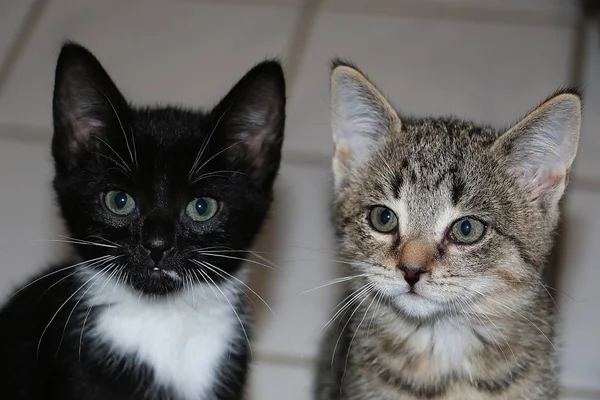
x=158 y=236
x=412 y=274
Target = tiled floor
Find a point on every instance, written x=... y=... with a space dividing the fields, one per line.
x=490 y=60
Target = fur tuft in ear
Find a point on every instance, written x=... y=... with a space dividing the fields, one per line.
x=360 y=117
x=251 y=119
x=540 y=149
x=86 y=104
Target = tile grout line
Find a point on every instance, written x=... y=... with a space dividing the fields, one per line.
x=26 y=28
x=299 y=40
x=32 y=134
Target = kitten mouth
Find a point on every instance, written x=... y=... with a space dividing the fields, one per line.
x=157 y=281
x=159 y=273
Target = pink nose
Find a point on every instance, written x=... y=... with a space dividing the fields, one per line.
x=412 y=274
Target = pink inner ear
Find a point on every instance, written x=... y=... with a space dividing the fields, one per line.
x=546 y=178
x=343 y=154
x=83 y=129
x=254 y=142
x=553 y=176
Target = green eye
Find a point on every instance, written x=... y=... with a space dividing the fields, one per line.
x=383 y=219
x=467 y=230
x=202 y=209
x=119 y=202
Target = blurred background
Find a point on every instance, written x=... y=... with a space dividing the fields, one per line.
x=486 y=60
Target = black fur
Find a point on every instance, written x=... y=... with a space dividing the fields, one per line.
x=102 y=143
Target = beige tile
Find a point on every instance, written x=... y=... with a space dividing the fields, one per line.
x=182 y=52
x=588 y=162
x=537 y=5
x=279 y=3
x=300 y=236
x=492 y=73
x=12 y=16
x=27 y=216
x=277 y=382
x=444 y=8
x=544 y=7
x=580 y=395
x=579 y=298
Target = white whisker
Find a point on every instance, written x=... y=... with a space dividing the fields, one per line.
x=103 y=258
x=193 y=170
x=335 y=282
x=62 y=305
x=123 y=163
x=120 y=124
x=217 y=270
x=240 y=259
x=232 y=309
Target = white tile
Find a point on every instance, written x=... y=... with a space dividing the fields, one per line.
x=529 y=5
x=300 y=234
x=588 y=162
x=579 y=305
x=492 y=73
x=279 y=3
x=547 y=7
x=585 y=395
x=157 y=51
x=12 y=16
x=276 y=382
x=27 y=215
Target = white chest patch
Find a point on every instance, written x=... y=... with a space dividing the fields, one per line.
x=183 y=339
x=448 y=345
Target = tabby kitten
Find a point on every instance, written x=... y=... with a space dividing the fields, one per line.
x=447 y=226
x=161 y=204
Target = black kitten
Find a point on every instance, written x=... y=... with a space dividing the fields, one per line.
x=161 y=203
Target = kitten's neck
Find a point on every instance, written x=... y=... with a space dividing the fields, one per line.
x=482 y=346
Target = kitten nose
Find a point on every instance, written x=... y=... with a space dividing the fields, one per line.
x=157 y=247
x=412 y=274
x=158 y=235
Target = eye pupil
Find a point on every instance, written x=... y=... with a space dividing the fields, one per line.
x=385 y=216
x=201 y=206
x=202 y=209
x=120 y=200
x=466 y=227
x=382 y=219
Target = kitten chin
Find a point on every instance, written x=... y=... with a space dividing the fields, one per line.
x=161 y=205
x=157 y=282
x=446 y=226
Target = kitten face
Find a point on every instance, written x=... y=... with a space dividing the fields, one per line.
x=442 y=216
x=174 y=196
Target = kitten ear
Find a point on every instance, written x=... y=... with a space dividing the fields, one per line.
x=540 y=149
x=86 y=102
x=360 y=117
x=251 y=119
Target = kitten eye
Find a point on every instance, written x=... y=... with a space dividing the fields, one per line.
x=466 y=230
x=202 y=209
x=119 y=202
x=383 y=219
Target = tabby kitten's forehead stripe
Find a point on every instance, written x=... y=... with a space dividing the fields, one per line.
x=450 y=224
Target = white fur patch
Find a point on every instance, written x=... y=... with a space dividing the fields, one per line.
x=445 y=218
x=183 y=338
x=448 y=344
